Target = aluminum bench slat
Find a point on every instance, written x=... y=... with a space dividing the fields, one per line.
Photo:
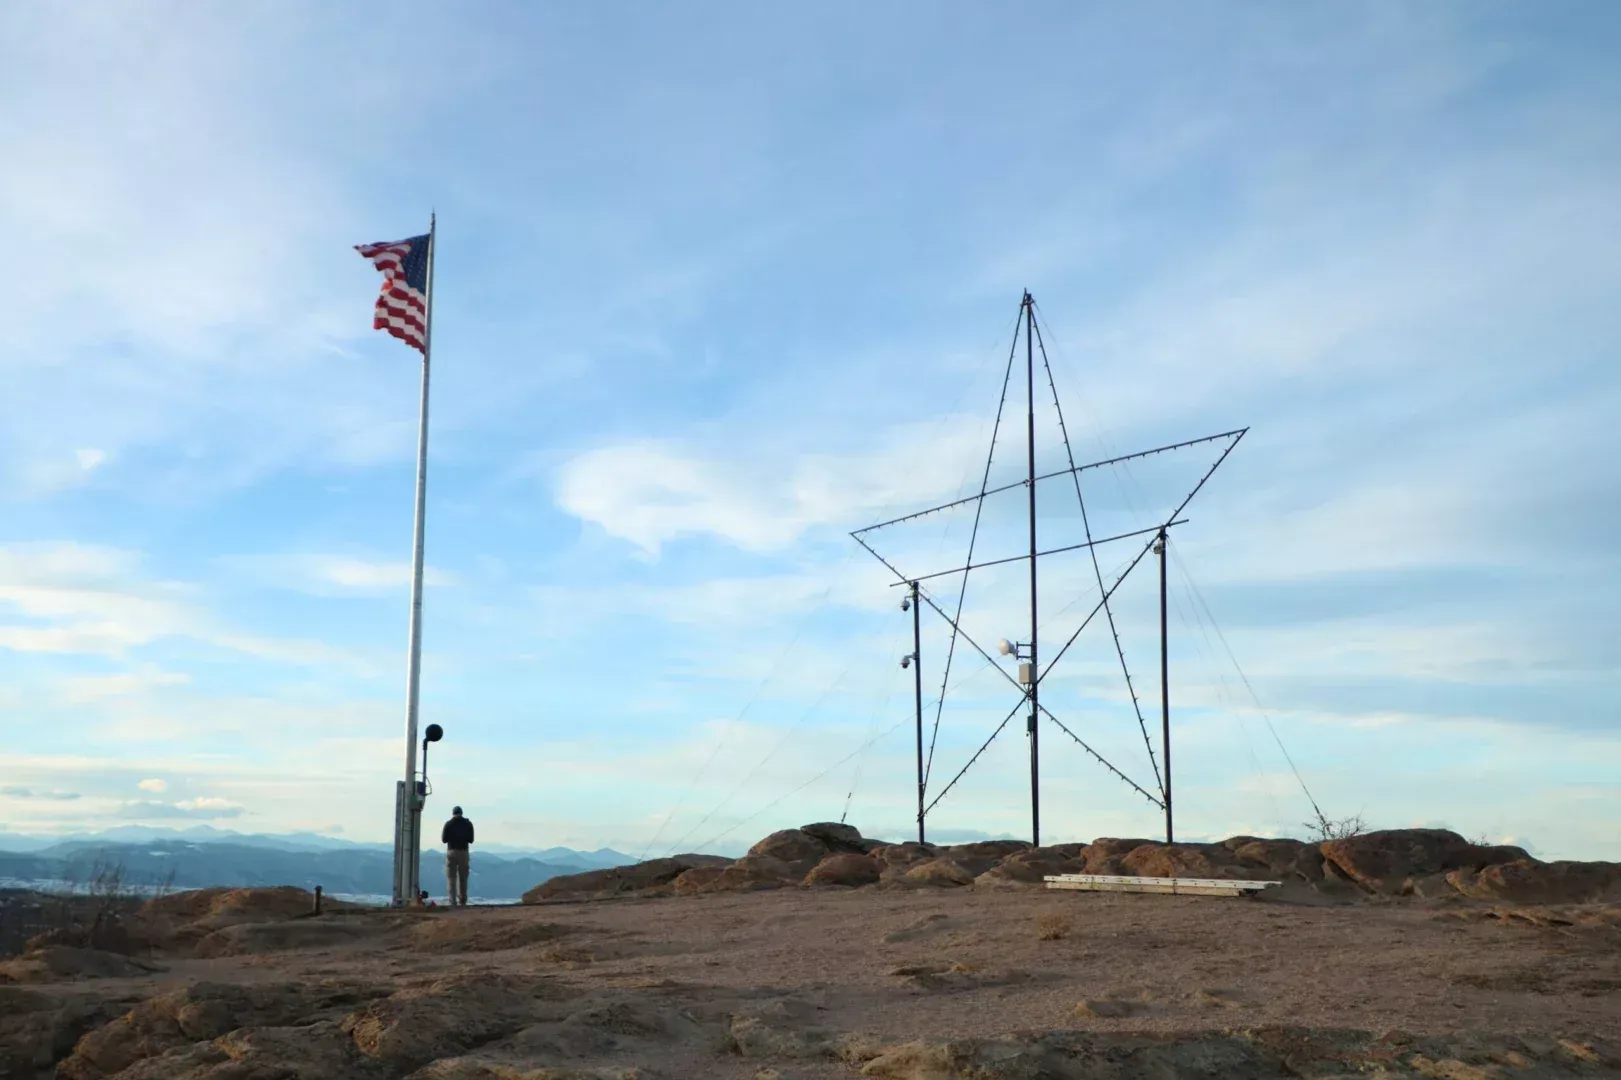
x=1177 y=886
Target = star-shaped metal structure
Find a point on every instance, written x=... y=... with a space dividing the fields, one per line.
x=1031 y=671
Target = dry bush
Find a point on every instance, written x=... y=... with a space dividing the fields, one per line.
x=91 y=916
x=1053 y=926
x=1325 y=828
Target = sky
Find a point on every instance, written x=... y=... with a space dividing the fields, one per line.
x=716 y=285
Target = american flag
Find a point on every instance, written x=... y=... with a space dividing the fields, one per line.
x=402 y=308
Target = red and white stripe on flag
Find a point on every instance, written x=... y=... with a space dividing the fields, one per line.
x=402 y=306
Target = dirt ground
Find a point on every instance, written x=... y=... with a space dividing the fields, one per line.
x=801 y=983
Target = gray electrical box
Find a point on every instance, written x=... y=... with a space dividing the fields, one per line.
x=1024 y=674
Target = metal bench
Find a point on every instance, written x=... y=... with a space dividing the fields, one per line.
x=1178 y=886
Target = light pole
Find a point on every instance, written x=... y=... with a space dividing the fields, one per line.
x=408 y=825
x=1025 y=654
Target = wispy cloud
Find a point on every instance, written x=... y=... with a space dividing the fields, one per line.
x=202 y=809
x=80 y=599
x=653 y=493
x=332 y=575
x=17 y=791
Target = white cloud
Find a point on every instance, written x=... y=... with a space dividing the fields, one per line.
x=207 y=804
x=18 y=791
x=84 y=689
x=204 y=809
x=332 y=575
x=652 y=493
x=81 y=599
x=158 y=786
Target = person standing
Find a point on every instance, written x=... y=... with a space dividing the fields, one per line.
x=457 y=836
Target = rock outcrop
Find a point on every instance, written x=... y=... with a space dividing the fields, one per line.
x=1103 y=855
x=1260 y=1054
x=1286 y=860
x=896 y=859
x=1184 y=860
x=798 y=848
x=1422 y=863
x=839 y=838
x=620 y=880
x=1032 y=866
x=754 y=872
x=53 y=963
x=230 y=919
x=196 y=1015
x=38 y=1030
x=845 y=868
x=1390 y=860
x=1526 y=881
x=941 y=871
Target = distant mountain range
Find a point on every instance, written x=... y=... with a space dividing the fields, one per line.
x=203 y=856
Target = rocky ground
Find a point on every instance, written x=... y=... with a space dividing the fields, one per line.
x=910 y=976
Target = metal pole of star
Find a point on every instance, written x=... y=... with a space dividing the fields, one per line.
x=1034 y=682
x=1030 y=673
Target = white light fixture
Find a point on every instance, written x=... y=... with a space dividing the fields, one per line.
x=1005 y=647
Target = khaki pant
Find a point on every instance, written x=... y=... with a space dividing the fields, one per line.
x=456 y=863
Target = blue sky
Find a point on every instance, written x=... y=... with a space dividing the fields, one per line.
x=719 y=283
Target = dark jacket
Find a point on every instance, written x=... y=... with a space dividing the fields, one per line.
x=458 y=834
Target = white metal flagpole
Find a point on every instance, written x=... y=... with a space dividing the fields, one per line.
x=408 y=838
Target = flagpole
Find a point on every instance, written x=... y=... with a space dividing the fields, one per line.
x=408 y=844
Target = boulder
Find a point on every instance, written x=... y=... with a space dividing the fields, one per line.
x=980 y=856
x=752 y=873
x=796 y=847
x=619 y=880
x=1233 y=843
x=1031 y=867
x=1286 y=860
x=1183 y=860
x=697 y=880
x=1063 y=851
x=837 y=837
x=1104 y=854
x=845 y=868
x=1430 y=887
x=1528 y=881
x=905 y=854
x=990 y=852
x=941 y=871
x=1385 y=861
